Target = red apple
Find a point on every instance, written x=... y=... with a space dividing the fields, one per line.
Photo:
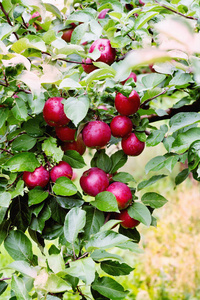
x=141 y=2
x=103 y=13
x=66 y=36
x=39 y=177
x=39 y=19
x=107 y=52
x=53 y=112
x=122 y=193
x=96 y=134
x=62 y=169
x=127 y=221
x=127 y=106
x=94 y=181
x=121 y=126
x=88 y=68
x=77 y=145
x=132 y=75
x=65 y=133
x=132 y=146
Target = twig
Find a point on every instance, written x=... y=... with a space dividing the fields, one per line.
x=8 y=19
x=5 y=278
x=25 y=91
x=176 y=12
x=5 y=150
x=84 y=255
x=148 y=100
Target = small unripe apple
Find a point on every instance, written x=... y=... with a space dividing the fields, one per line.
x=107 y=52
x=88 y=68
x=122 y=193
x=62 y=169
x=94 y=181
x=39 y=177
x=132 y=146
x=96 y=134
x=132 y=75
x=127 y=106
x=65 y=133
x=121 y=126
x=127 y=221
x=103 y=13
x=77 y=145
x=53 y=112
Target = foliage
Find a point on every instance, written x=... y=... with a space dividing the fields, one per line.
x=157 y=40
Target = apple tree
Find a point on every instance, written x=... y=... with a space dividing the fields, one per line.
x=76 y=81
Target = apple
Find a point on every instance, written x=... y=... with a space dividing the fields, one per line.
x=39 y=19
x=62 y=169
x=127 y=221
x=96 y=134
x=67 y=34
x=88 y=68
x=122 y=193
x=131 y=145
x=127 y=105
x=53 y=112
x=103 y=13
x=77 y=145
x=129 y=6
x=107 y=52
x=94 y=181
x=65 y=133
x=121 y=126
x=39 y=177
x=132 y=75
x=141 y=2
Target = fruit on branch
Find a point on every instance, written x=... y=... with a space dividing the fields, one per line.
x=67 y=33
x=39 y=177
x=53 y=112
x=107 y=52
x=131 y=145
x=132 y=75
x=65 y=133
x=94 y=181
x=121 y=126
x=77 y=145
x=39 y=19
x=88 y=68
x=103 y=13
x=127 y=105
x=122 y=193
x=127 y=221
x=62 y=169
x=141 y=2
x=96 y=134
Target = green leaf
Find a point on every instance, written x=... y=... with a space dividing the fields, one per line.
x=103 y=161
x=50 y=148
x=5 y=199
x=3 y=287
x=109 y=225
x=115 y=268
x=23 y=267
x=101 y=255
x=185 y=139
x=23 y=143
x=118 y=159
x=194 y=155
x=83 y=269
x=140 y=212
x=98 y=74
x=155 y=164
x=74 y=223
x=56 y=263
x=76 y=108
x=94 y=220
x=19 y=288
x=64 y=187
x=6 y=30
x=36 y=195
x=74 y=159
x=30 y=41
x=156 y=136
x=4 y=112
x=182 y=176
x=105 y=201
x=19 y=189
x=144 y=18
x=150 y=181
x=123 y=177
x=181 y=80
x=18 y=246
x=152 y=80
x=69 y=84
x=171 y=161
x=108 y=287
x=54 y=10
x=19 y=110
x=154 y=200
x=131 y=233
x=70 y=202
x=38 y=223
x=183 y=119
x=19 y=213
x=78 y=33
x=25 y=161
x=82 y=16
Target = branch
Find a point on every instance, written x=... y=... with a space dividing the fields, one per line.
x=5 y=278
x=194 y=107
x=176 y=12
x=8 y=19
x=148 y=100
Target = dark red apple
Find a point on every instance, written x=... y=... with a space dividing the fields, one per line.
x=107 y=52
x=53 y=112
x=132 y=146
x=67 y=34
x=122 y=193
x=96 y=134
x=88 y=68
x=127 y=221
x=121 y=126
x=77 y=145
x=65 y=133
x=129 y=6
x=103 y=13
x=127 y=106
x=62 y=169
x=132 y=75
x=39 y=177
x=94 y=181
